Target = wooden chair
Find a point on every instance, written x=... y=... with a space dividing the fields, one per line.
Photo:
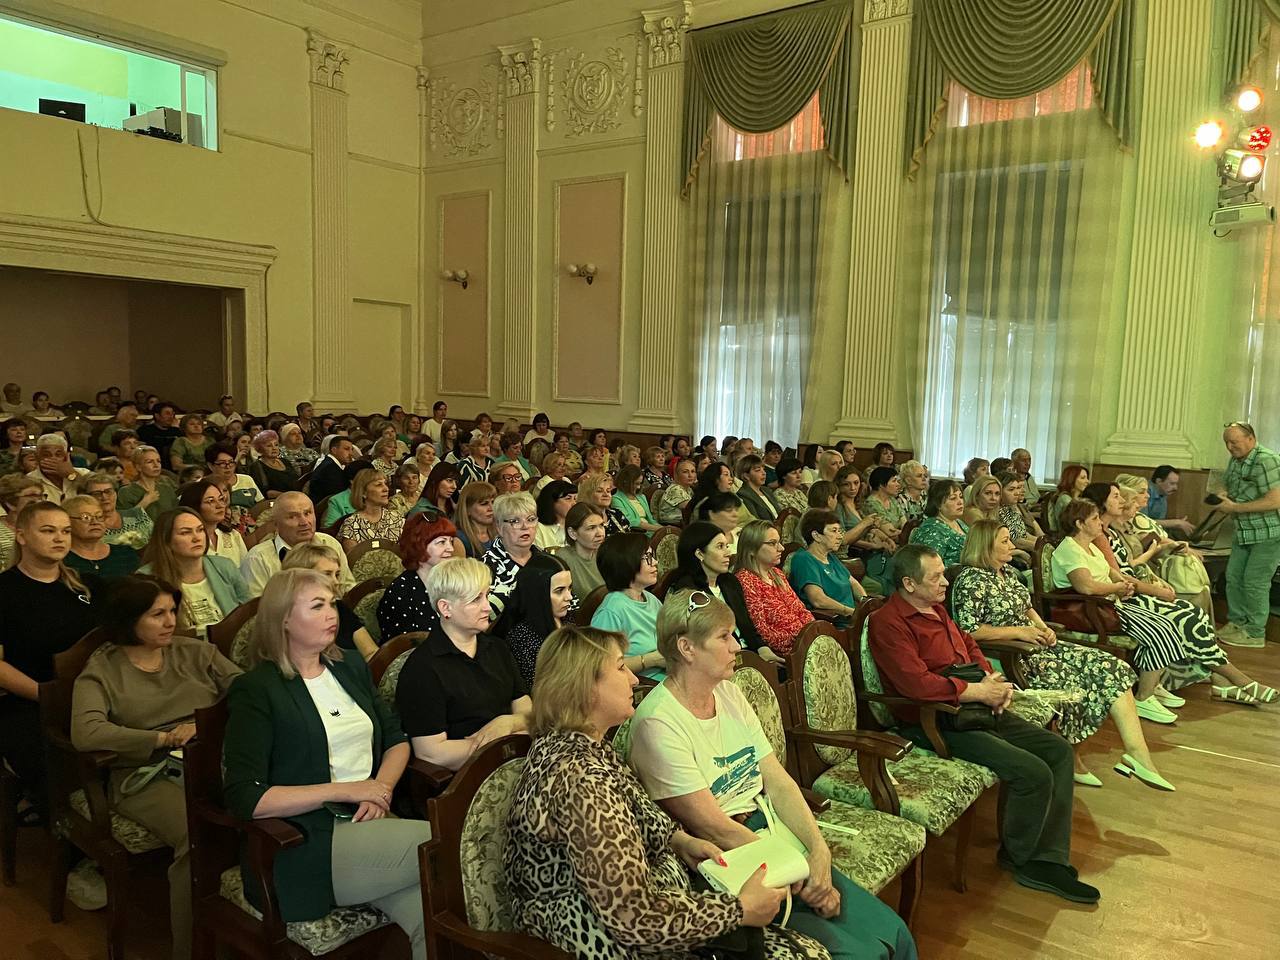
x=664 y=544
x=375 y=558
x=663 y=585
x=788 y=524
x=589 y=605
x=655 y=498
x=231 y=634
x=387 y=654
x=79 y=811
x=363 y=598
x=1089 y=620
x=904 y=535
x=222 y=916
x=931 y=789
x=425 y=779
x=686 y=513
x=869 y=846
x=466 y=905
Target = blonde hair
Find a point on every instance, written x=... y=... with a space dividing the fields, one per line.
x=305 y=556
x=750 y=540
x=457 y=580
x=553 y=460
x=360 y=486
x=972 y=491
x=508 y=506
x=269 y=642
x=97 y=477
x=1131 y=481
x=472 y=493
x=911 y=466
x=570 y=662
x=141 y=450
x=79 y=500
x=25 y=519
x=980 y=544
x=589 y=483
x=676 y=620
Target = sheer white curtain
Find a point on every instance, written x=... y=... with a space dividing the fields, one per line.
x=1008 y=259
x=1252 y=349
x=758 y=210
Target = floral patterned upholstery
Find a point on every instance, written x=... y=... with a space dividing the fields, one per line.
x=377 y=563
x=367 y=611
x=666 y=555
x=883 y=847
x=828 y=694
x=790 y=531
x=387 y=685
x=761 y=697
x=483 y=850
x=130 y=834
x=621 y=741
x=240 y=643
x=871 y=677
x=337 y=928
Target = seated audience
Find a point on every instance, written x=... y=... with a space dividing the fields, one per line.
x=473 y=517
x=272 y=473
x=630 y=502
x=225 y=413
x=383 y=452
x=244 y=452
x=584 y=532
x=809 y=464
x=16 y=491
x=505 y=477
x=279 y=762
x=295 y=522
x=975 y=468
x=328 y=476
x=389 y=431
x=460 y=688
x=942 y=530
x=772 y=457
x=716 y=478
x=865 y=536
x=1000 y=464
x=703 y=562
x=723 y=783
x=352 y=633
x=207 y=499
x=990 y=602
x=1154 y=554
x=823 y=495
x=540 y=429
x=629 y=569
x=830 y=462
x=594 y=866
x=594 y=461
x=373 y=519
x=152 y=492
x=1023 y=529
x=91 y=555
x=725 y=511
x=406 y=485
x=241 y=490
x=54 y=469
x=572 y=458
x=135 y=698
x=112 y=469
x=684 y=477
x=753 y=493
x=599 y=440
x=915 y=488
x=294 y=449
x=42 y=409
x=438 y=491
x=188 y=449
x=555 y=500
x=817 y=575
x=554 y=467
x=338 y=507
x=515 y=515
x=1175 y=640
x=44 y=609
x=982 y=500
x=597 y=490
x=453 y=444
x=1074 y=479
x=1020 y=464
x=211 y=586
x=190 y=475
x=882 y=455
x=915 y=644
x=772 y=606
x=1163 y=485
x=405 y=606
x=655 y=467
x=538 y=606
x=474 y=467
x=791 y=494
x=13 y=437
x=882 y=500
x=513 y=452
x=163 y=431
x=125 y=421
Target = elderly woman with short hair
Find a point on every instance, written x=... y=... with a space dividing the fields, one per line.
x=684 y=476
x=383 y=455
x=294 y=449
x=188 y=450
x=474 y=467
x=373 y=518
x=130 y=527
x=516 y=517
x=655 y=470
x=791 y=494
x=563 y=445
x=16 y=491
x=406 y=485
x=426 y=457
x=553 y=467
x=914 y=476
x=152 y=491
x=942 y=529
x=272 y=473
x=597 y=490
x=91 y=556
x=505 y=477
x=405 y=606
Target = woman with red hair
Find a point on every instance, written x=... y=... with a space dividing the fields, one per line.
x=405 y=606
x=1072 y=483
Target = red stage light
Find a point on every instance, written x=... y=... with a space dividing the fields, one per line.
x=1257 y=138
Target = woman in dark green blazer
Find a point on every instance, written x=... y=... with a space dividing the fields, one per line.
x=309 y=740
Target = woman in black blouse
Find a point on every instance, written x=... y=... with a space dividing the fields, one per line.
x=405 y=606
x=271 y=472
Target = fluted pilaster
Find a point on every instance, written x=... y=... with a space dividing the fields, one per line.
x=664 y=29
x=329 y=230
x=1154 y=412
x=522 y=81
x=871 y=337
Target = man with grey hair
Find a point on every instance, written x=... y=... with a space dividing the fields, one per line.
x=1021 y=465
x=295 y=520
x=12 y=403
x=1252 y=497
x=54 y=469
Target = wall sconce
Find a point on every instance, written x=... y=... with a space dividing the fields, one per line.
x=457 y=276
x=585 y=271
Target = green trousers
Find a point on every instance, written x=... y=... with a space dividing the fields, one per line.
x=1249 y=573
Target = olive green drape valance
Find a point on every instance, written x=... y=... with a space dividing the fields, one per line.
x=1009 y=49
x=758 y=74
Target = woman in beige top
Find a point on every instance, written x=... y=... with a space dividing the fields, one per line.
x=136 y=697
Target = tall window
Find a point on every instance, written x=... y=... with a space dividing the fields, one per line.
x=758 y=205
x=105 y=84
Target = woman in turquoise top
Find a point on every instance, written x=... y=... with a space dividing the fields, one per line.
x=629 y=568
x=628 y=499
x=942 y=528
x=817 y=575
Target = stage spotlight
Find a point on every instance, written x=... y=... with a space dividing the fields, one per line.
x=1256 y=139
x=1241 y=166
x=1248 y=99
x=1209 y=134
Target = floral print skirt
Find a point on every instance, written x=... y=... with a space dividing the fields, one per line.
x=1102 y=677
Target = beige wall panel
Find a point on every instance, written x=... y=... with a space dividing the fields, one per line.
x=463 y=315
x=378 y=360
x=590 y=227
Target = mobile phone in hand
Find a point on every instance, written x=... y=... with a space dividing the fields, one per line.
x=343 y=811
x=1212 y=499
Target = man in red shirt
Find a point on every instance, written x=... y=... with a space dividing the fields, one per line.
x=914 y=641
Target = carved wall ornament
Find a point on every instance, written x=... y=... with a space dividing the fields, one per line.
x=665 y=30
x=460 y=117
x=328 y=61
x=521 y=65
x=884 y=9
x=594 y=92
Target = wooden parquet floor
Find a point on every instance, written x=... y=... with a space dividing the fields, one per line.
x=1194 y=874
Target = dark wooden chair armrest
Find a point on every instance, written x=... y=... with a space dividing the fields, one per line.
x=888 y=745
x=816 y=803
x=426 y=780
x=1019 y=648
x=267 y=837
x=514 y=946
x=889 y=700
x=826 y=615
x=90 y=768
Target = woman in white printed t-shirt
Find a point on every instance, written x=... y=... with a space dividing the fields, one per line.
x=701 y=753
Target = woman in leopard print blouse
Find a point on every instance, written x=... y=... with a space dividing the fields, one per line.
x=593 y=865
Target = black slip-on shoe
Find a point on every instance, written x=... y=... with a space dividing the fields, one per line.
x=1005 y=862
x=1056 y=878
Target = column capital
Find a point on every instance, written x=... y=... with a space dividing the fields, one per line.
x=522 y=66
x=328 y=60
x=876 y=10
x=665 y=28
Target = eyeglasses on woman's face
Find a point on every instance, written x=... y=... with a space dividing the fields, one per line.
x=517 y=523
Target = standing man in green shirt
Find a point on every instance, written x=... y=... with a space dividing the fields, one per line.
x=1253 y=498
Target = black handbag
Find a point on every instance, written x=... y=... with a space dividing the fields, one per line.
x=972 y=716
x=744 y=943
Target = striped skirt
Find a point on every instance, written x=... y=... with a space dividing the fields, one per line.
x=1172 y=635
